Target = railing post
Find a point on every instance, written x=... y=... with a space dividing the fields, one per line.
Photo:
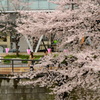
x=12 y=65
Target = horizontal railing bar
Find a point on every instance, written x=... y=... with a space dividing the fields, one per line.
x=20 y=59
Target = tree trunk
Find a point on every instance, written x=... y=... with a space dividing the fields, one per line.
x=17 y=46
x=44 y=45
x=17 y=49
x=52 y=39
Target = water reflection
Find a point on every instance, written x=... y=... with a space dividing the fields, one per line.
x=9 y=90
x=15 y=83
x=0 y=82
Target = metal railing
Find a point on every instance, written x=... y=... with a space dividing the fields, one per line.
x=15 y=65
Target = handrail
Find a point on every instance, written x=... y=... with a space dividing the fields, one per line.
x=20 y=59
x=12 y=62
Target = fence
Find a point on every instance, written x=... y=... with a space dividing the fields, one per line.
x=8 y=66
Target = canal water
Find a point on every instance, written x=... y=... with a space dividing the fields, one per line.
x=9 y=90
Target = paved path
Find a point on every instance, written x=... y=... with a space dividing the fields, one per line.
x=19 y=65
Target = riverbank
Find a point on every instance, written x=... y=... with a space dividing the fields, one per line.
x=10 y=90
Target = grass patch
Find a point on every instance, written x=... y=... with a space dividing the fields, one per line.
x=20 y=57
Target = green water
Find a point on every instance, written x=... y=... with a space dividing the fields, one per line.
x=9 y=90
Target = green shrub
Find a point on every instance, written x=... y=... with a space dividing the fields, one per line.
x=6 y=61
x=14 y=56
x=21 y=57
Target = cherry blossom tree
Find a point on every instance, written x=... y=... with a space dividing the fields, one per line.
x=73 y=70
x=8 y=28
x=75 y=21
x=64 y=24
x=8 y=20
x=32 y=24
